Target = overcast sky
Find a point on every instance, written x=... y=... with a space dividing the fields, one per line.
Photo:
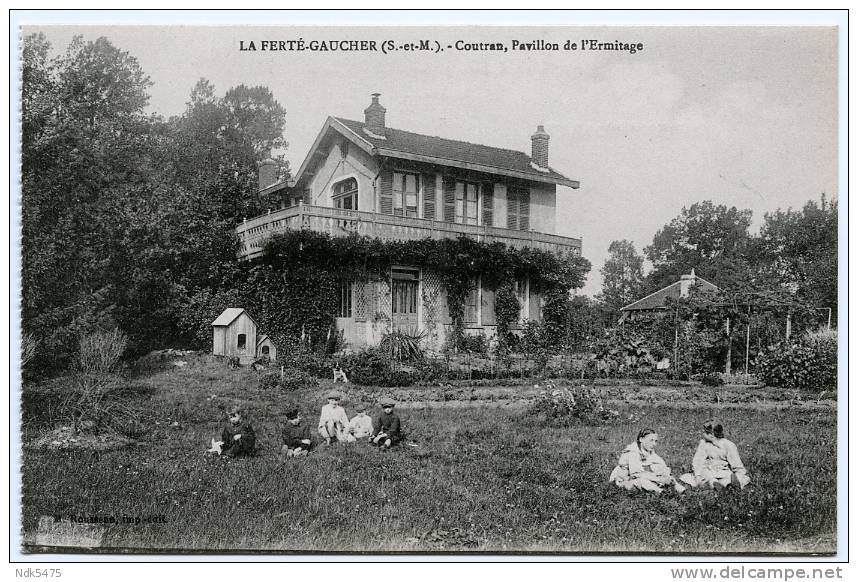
x=742 y=116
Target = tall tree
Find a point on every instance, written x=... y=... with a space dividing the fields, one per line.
x=702 y=237
x=622 y=275
x=84 y=150
x=799 y=248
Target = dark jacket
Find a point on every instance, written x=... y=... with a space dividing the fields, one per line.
x=387 y=423
x=244 y=446
x=293 y=435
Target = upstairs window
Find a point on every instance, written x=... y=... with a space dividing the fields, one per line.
x=405 y=194
x=466 y=203
x=518 y=209
x=346 y=194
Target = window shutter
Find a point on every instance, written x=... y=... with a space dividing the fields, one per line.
x=535 y=307
x=488 y=306
x=429 y=196
x=488 y=204
x=524 y=210
x=512 y=209
x=449 y=200
x=385 y=194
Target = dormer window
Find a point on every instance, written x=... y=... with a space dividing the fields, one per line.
x=346 y=194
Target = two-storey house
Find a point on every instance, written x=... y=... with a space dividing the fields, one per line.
x=366 y=177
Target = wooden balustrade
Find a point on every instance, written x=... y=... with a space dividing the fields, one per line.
x=338 y=222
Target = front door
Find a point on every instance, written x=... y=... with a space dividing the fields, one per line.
x=405 y=283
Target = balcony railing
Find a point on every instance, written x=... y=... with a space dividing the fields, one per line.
x=337 y=222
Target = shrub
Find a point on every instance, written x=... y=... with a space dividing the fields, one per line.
x=810 y=363
x=619 y=354
x=95 y=375
x=564 y=407
x=401 y=346
x=290 y=380
x=373 y=367
x=475 y=344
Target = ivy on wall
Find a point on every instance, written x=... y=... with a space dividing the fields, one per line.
x=293 y=289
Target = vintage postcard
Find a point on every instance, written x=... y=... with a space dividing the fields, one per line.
x=449 y=290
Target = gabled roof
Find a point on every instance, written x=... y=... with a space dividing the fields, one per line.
x=658 y=299
x=262 y=338
x=228 y=316
x=396 y=143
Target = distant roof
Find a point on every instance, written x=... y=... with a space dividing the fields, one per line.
x=399 y=143
x=228 y=316
x=261 y=339
x=658 y=299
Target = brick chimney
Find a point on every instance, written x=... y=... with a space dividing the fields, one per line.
x=686 y=282
x=268 y=171
x=375 y=115
x=539 y=149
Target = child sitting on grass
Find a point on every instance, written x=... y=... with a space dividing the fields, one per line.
x=238 y=437
x=716 y=462
x=386 y=428
x=360 y=426
x=333 y=421
x=296 y=436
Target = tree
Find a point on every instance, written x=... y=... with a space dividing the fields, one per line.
x=702 y=237
x=622 y=275
x=85 y=149
x=799 y=248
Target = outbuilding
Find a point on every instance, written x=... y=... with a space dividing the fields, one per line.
x=265 y=348
x=235 y=335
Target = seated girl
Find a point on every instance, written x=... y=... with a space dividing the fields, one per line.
x=716 y=463
x=641 y=469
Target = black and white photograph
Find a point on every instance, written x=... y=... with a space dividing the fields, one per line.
x=429 y=290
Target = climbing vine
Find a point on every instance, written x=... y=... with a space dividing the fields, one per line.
x=293 y=289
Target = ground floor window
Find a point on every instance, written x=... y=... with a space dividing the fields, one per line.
x=472 y=302
x=345 y=309
x=405 y=284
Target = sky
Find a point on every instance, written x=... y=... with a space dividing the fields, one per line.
x=742 y=116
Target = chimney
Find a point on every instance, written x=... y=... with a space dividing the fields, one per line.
x=686 y=282
x=268 y=171
x=375 y=115
x=539 y=149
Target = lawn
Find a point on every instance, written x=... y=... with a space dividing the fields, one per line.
x=481 y=478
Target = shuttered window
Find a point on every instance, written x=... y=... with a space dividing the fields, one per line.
x=345 y=309
x=488 y=204
x=405 y=194
x=385 y=194
x=518 y=209
x=429 y=196
x=449 y=200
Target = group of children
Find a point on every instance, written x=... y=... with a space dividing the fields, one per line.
x=716 y=464
x=239 y=439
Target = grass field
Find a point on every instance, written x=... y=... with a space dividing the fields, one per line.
x=480 y=478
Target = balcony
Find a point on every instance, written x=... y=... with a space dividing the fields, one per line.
x=337 y=222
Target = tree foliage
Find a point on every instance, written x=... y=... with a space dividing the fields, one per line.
x=622 y=275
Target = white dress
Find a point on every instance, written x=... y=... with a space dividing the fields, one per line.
x=638 y=470
x=717 y=461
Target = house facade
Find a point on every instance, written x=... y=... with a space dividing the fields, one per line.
x=367 y=178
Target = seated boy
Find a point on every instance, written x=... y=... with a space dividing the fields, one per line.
x=333 y=420
x=360 y=426
x=386 y=428
x=296 y=436
x=238 y=437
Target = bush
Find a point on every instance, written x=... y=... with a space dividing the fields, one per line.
x=564 y=407
x=373 y=367
x=713 y=380
x=809 y=364
x=475 y=344
x=400 y=346
x=292 y=379
x=95 y=375
x=619 y=354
